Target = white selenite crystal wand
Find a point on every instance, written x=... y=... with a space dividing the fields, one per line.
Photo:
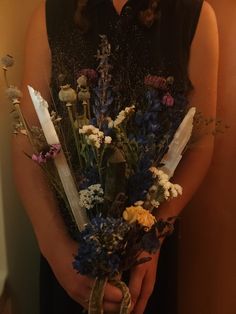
x=41 y=108
x=179 y=142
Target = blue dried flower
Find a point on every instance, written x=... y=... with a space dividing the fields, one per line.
x=140 y=182
x=98 y=106
x=150 y=241
x=101 y=247
x=91 y=176
x=139 y=118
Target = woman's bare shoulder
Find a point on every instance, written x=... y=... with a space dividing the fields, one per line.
x=37 y=56
x=37 y=29
x=204 y=59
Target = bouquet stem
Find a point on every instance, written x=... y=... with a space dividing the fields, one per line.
x=126 y=302
x=74 y=132
x=97 y=294
x=96 y=297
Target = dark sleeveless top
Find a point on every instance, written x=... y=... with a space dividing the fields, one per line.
x=137 y=51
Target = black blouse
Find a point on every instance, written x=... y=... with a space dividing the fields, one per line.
x=137 y=51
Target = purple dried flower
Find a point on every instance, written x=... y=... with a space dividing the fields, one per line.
x=44 y=156
x=154 y=81
x=168 y=100
x=38 y=158
x=89 y=73
x=54 y=151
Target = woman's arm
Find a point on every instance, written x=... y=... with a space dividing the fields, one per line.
x=38 y=200
x=203 y=69
x=203 y=72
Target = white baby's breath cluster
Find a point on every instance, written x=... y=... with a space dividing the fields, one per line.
x=123 y=114
x=94 y=136
x=91 y=196
x=170 y=190
x=55 y=117
x=18 y=127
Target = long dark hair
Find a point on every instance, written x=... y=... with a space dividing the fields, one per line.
x=146 y=16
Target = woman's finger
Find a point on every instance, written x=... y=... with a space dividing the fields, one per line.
x=145 y=293
x=146 y=289
x=112 y=294
x=111 y=308
x=135 y=285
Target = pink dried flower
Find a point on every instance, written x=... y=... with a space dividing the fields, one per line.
x=155 y=81
x=54 y=151
x=40 y=159
x=43 y=156
x=168 y=100
x=89 y=73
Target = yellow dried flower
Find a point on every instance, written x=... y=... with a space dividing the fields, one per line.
x=139 y=214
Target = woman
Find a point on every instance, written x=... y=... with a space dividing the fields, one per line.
x=171 y=37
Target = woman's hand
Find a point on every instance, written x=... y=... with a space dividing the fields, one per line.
x=79 y=287
x=142 y=281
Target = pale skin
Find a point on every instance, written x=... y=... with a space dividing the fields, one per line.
x=41 y=206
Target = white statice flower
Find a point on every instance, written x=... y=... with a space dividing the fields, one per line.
x=129 y=110
x=166 y=184
x=91 y=196
x=166 y=194
x=123 y=114
x=170 y=190
x=139 y=203
x=93 y=135
x=173 y=191
x=178 y=188
x=155 y=203
x=88 y=129
x=110 y=123
x=107 y=140
x=153 y=189
x=93 y=140
x=158 y=173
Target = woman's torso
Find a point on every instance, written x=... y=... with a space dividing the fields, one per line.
x=136 y=51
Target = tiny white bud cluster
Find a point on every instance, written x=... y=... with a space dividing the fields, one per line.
x=93 y=195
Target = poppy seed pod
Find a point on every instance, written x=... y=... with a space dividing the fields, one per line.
x=84 y=95
x=82 y=81
x=7 y=61
x=67 y=94
x=13 y=93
